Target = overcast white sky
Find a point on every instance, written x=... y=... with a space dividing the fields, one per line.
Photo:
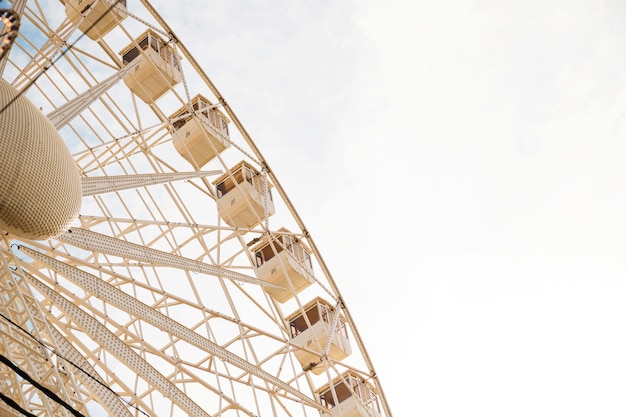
x=461 y=166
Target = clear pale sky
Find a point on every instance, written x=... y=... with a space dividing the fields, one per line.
x=460 y=165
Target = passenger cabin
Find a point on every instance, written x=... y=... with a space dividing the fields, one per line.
x=349 y=396
x=285 y=261
x=100 y=17
x=313 y=330
x=201 y=135
x=158 y=67
x=242 y=199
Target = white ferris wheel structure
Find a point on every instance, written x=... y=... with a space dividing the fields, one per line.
x=152 y=264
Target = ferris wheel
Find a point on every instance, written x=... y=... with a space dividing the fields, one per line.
x=152 y=264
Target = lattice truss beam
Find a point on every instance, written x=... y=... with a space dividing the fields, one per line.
x=22 y=327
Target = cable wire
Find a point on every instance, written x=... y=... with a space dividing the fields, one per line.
x=37 y=385
x=11 y=403
x=44 y=345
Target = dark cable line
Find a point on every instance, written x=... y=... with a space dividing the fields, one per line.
x=44 y=345
x=11 y=403
x=36 y=384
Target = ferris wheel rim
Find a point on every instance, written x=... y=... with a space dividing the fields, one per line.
x=99 y=160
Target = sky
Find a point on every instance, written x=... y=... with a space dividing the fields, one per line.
x=460 y=165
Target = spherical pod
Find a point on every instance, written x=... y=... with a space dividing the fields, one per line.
x=40 y=190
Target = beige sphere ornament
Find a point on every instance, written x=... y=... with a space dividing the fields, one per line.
x=40 y=190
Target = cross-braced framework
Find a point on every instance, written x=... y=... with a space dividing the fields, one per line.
x=188 y=284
